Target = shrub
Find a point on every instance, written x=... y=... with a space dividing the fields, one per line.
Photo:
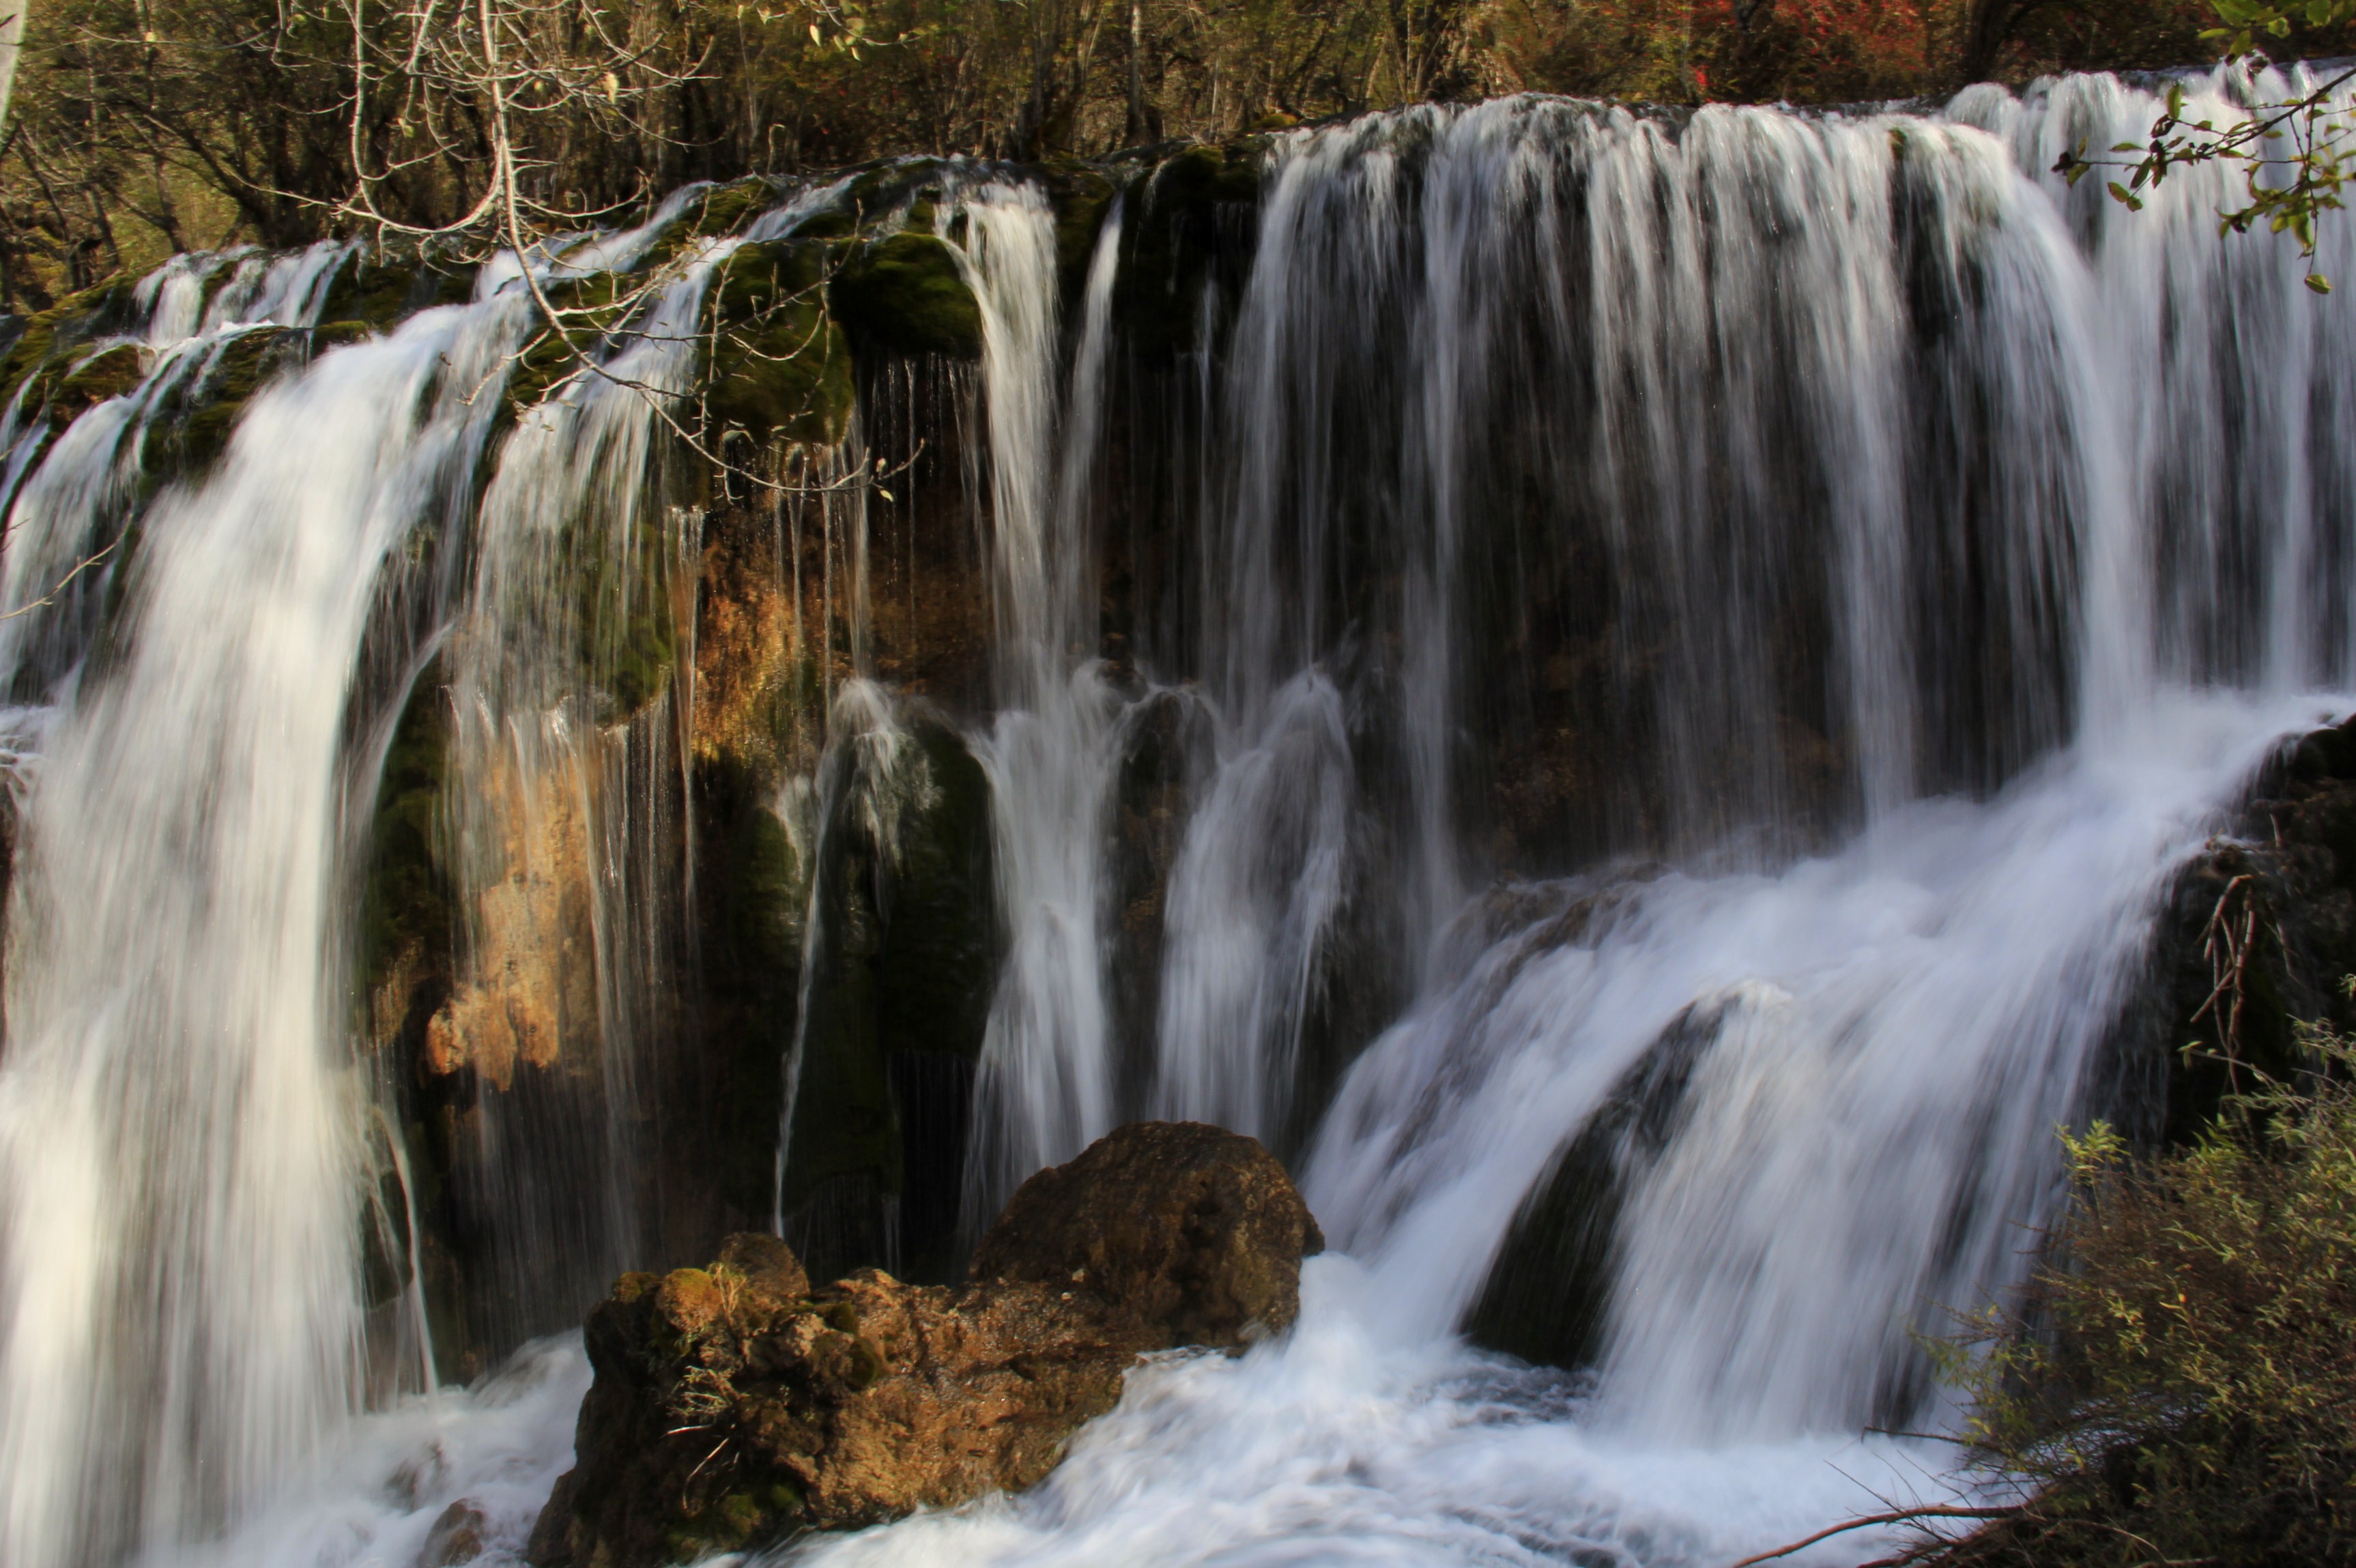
x=2182 y=1389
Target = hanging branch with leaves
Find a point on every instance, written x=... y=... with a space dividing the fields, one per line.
x=2293 y=154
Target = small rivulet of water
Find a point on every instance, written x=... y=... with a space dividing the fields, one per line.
x=1691 y=647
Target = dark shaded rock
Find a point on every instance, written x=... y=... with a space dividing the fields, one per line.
x=1192 y=227
x=732 y=1404
x=1547 y=1294
x=904 y=294
x=2257 y=938
x=908 y=945
x=1168 y=748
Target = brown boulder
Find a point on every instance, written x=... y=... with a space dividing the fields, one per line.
x=733 y=1405
x=1195 y=1232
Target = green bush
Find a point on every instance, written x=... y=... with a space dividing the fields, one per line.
x=2182 y=1388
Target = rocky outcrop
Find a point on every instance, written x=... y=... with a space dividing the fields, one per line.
x=2258 y=940
x=733 y=1403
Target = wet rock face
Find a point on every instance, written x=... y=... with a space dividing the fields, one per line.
x=735 y=1403
x=2257 y=939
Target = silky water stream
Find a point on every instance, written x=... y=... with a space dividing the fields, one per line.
x=1954 y=546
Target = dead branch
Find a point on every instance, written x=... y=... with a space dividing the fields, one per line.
x=1868 y=1521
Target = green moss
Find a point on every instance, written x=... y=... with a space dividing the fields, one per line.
x=904 y=294
x=74 y=320
x=546 y=360
x=938 y=961
x=722 y=209
x=725 y=209
x=910 y=952
x=110 y=373
x=335 y=334
x=1080 y=195
x=887 y=188
x=628 y=642
x=213 y=402
x=406 y=906
x=381 y=290
x=780 y=365
x=737 y=1519
x=1181 y=235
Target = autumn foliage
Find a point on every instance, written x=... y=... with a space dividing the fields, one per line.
x=140 y=127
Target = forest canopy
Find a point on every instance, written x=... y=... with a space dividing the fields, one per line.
x=140 y=127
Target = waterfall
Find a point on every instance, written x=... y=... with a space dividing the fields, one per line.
x=1045 y=1084
x=1669 y=656
x=180 y=1146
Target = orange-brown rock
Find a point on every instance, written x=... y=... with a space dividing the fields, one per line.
x=1193 y=1232
x=733 y=1403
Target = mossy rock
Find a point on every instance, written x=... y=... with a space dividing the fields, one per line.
x=725 y=210
x=336 y=334
x=904 y=294
x=1080 y=195
x=780 y=365
x=885 y=187
x=366 y=290
x=382 y=290
x=76 y=319
x=1205 y=175
x=628 y=642
x=216 y=400
x=910 y=954
x=110 y=373
x=1191 y=223
x=720 y=210
x=407 y=908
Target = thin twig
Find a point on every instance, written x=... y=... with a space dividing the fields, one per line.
x=51 y=596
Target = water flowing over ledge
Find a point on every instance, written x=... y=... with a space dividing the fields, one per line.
x=1506 y=636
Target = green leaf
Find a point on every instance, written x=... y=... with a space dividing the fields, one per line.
x=2120 y=193
x=2319 y=283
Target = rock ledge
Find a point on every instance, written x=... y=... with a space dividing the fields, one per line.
x=733 y=1405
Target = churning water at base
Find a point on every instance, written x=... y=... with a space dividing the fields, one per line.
x=1898 y=498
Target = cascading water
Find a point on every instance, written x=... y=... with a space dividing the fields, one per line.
x=1045 y=1084
x=1696 y=646
x=183 y=1134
